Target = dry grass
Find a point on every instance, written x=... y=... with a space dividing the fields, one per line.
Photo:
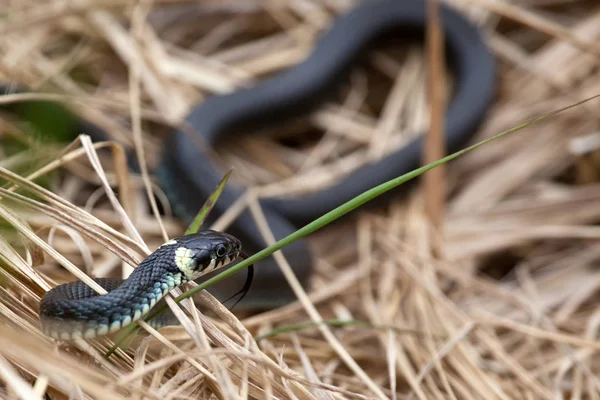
x=507 y=312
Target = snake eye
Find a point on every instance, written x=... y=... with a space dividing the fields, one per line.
x=221 y=251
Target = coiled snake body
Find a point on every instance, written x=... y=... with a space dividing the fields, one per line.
x=188 y=176
x=76 y=311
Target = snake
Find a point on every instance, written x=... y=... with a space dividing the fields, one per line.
x=75 y=310
x=188 y=174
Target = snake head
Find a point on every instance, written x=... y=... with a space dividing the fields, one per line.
x=199 y=253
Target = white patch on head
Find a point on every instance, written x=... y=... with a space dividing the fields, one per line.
x=185 y=262
x=169 y=243
x=89 y=333
x=76 y=335
x=65 y=336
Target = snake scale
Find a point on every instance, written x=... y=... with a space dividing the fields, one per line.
x=188 y=176
x=75 y=311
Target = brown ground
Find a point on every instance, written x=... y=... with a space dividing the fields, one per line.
x=508 y=312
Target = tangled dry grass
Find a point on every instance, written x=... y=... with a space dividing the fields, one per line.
x=508 y=310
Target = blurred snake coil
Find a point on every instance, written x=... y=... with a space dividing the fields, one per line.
x=188 y=176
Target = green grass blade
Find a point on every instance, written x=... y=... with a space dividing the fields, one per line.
x=338 y=322
x=124 y=337
x=351 y=205
x=360 y=200
x=208 y=206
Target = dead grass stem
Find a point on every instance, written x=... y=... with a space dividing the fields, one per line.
x=507 y=310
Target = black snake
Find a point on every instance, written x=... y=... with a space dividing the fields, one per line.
x=188 y=176
x=76 y=311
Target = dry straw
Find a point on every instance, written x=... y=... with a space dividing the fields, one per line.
x=507 y=311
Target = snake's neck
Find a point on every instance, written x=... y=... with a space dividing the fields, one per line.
x=149 y=283
x=75 y=311
x=147 y=291
x=93 y=316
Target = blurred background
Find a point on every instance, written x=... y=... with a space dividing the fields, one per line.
x=498 y=300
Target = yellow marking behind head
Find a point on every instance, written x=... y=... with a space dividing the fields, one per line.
x=185 y=262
